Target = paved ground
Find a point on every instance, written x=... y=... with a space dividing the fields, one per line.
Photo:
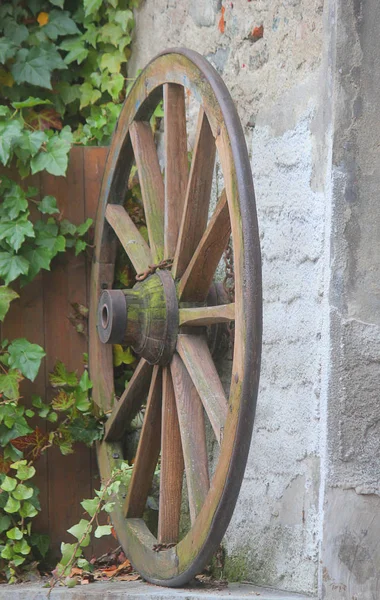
x=138 y=590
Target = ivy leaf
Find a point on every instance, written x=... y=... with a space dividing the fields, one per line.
x=47 y=236
x=88 y=95
x=26 y=357
x=85 y=383
x=61 y=377
x=84 y=227
x=8 y=433
x=31 y=445
x=54 y=160
x=9 y=484
x=40 y=540
x=68 y=92
x=79 y=530
x=67 y=552
x=7 y=553
x=12 y=505
x=14 y=201
x=102 y=530
x=9 y=384
x=112 y=61
x=6 y=297
x=15 y=32
x=90 y=506
x=67 y=228
x=29 y=144
x=60 y=23
x=39 y=258
x=24 y=471
x=7 y=49
x=125 y=19
x=85 y=429
x=91 y=34
x=36 y=64
x=48 y=206
x=80 y=245
x=28 y=510
x=47 y=118
x=111 y=33
x=63 y=401
x=15 y=232
x=15 y=534
x=11 y=266
x=22 y=547
x=58 y=3
x=82 y=402
x=10 y=133
x=121 y=356
x=77 y=51
x=91 y=6
x=114 y=85
x=22 y=492
x=5 y=521
x=29 y=102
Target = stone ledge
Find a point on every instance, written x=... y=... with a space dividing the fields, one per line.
x=139 y=590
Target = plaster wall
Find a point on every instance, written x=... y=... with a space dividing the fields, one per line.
x=276 y=82
x=350 y=557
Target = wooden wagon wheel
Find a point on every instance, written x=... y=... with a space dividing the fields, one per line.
x=164 y=317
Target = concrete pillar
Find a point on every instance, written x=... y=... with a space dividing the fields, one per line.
x=350 y=553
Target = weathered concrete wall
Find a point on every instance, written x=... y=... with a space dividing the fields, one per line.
x=276 y=82
x=350 y=558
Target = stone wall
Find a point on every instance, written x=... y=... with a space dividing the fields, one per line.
x=274 y=81
x=306 y=81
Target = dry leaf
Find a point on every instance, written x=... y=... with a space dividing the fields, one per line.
x=43 y=19
x=129 y=577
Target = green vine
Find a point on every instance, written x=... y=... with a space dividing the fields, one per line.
x=71 y=412
x=63 y=80
x=104 y=501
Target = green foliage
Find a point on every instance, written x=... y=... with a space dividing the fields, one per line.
x=19 y=503
x=71 y=411
x=63 y=63
x=103 y=502
x=26 y=247
x=62 y=81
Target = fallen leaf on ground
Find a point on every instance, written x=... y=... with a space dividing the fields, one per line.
x=129 y=577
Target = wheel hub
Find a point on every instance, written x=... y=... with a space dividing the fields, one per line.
x=145 y=317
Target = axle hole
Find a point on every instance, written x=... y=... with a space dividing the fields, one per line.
x=105 y=316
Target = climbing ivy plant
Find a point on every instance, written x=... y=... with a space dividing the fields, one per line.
x=63 y=80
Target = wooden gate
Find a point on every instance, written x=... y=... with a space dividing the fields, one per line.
x=42 y=315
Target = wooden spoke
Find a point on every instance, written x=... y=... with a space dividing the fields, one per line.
x=152 y=185
x=196 y=280
x=176 y=169
x=193 y=436
x=147 y=451
x=207 y=315
x=129 y=403
x=171 y=474
x=197 y=358
x=195 y=214
x=129 y=236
